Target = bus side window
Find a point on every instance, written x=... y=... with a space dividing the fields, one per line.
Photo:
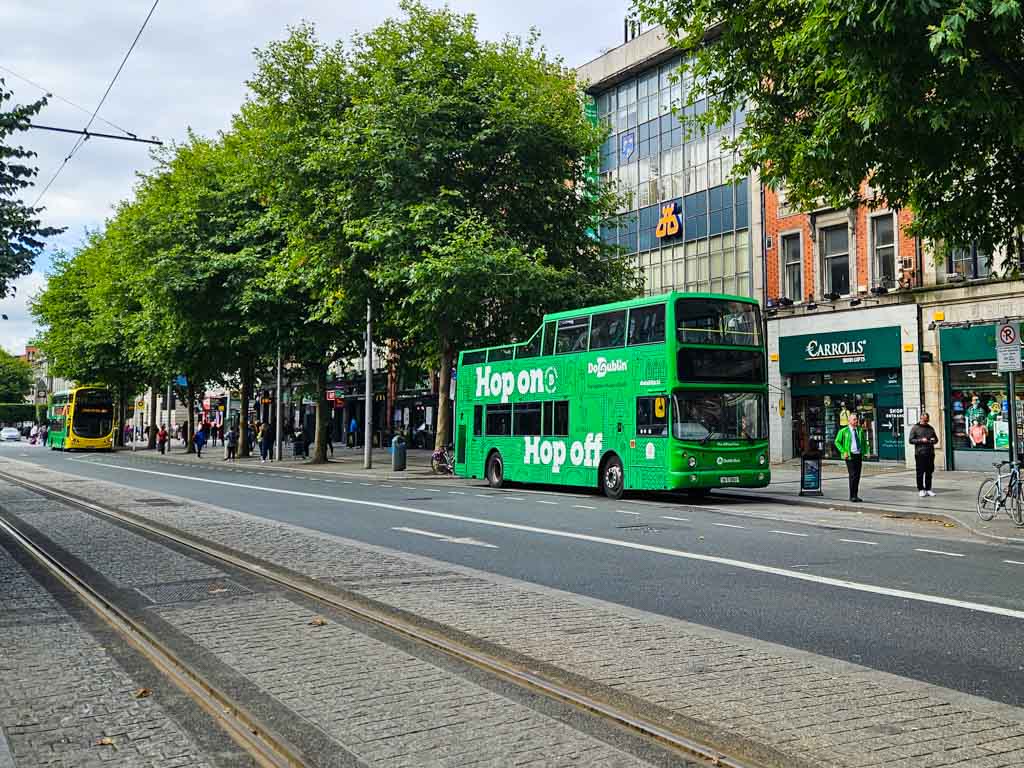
x=499 y=419
x=561 y=425
x=547 y=412
x=478 y=420
x=652 y=416
x=647 y=324
x=549 y=338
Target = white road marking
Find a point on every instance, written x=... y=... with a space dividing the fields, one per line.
x=457 y=493
x=346 y=482
x=680 y=519
x=728 y=525
x=582 y=506
x=515 y=498
x=828 y=581
x=366 y=484
x=433 y=490
x=789 y=533
x=449 y=539
x=939 y=552
x=860 y=541
x=482 y=495
x=408 y=488
x=552 y=503
x=387 y=486
x=627 y=512
x=1013 y=562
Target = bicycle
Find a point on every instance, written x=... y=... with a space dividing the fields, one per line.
x=443 y=461
x=1003 y=491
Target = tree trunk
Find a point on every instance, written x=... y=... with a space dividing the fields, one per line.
x=444 y=405
x=151 y=439
x=320 y=446
x=190 y=423
x=122 y=415
x=245 y=393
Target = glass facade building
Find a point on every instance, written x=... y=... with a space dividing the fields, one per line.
x=663 y=169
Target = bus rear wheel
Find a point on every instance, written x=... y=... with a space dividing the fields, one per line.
x=612 y=478
x=495 y=470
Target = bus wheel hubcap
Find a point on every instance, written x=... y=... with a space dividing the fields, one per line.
x=611 y=477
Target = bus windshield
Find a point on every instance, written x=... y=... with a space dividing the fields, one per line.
x=93 y=414
x=717 y=321
x=704 y=416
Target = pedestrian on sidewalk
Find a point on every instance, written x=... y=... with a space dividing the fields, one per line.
x=200 y=441
x=231 y=441
x=330 y=438
x=353 y=432
x=850 y=442
x=161 y=439
x=924 y=440
x=264 y=440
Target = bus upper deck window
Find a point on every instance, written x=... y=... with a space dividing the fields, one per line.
x=647 y=324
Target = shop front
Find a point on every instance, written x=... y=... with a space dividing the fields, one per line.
x=977 y=406
x=834 y=375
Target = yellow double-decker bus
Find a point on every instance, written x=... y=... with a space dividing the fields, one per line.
x=81 y=419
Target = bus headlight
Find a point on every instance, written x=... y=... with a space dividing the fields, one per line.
x=762 y=459
x=692 y=462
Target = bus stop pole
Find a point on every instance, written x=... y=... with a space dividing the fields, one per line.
x=168 y=417
x=368 y=414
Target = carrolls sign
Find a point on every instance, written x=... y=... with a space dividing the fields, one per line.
x=868 y=348
x=843 y=351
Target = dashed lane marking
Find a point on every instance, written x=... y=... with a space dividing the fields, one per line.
x=939 y=552
x=1013 y=562
x=541 y=501
x=728 y=525
x=627 y=512
x=457 y=493
x=860 y=541
x=790 y=533
x=582 y=506
x=679 y=519
x=729 y=562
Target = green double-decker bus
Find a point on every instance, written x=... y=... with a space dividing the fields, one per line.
x=661 y=393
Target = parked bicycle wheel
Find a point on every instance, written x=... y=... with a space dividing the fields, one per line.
x=988 y=499
x=1015 y=505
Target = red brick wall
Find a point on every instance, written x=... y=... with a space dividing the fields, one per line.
x=774 y=224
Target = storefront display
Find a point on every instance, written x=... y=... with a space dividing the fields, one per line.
x=977 y=399
x=833 y=375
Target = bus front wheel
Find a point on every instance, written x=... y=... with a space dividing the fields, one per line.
x=612 y=478
x=495 y=470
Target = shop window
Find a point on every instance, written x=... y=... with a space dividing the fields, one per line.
x=792 y=267
x=883 y=250
x=979 y=407
x=835 y=251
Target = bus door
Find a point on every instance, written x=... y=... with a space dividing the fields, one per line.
x=649 y=445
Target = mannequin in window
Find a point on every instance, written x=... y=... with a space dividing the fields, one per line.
x=844 y=415
x=978 y=434
x=975 y=411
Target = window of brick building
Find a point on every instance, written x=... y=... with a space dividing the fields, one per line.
x=792 y=267
x=883 y=249
x=835 y=251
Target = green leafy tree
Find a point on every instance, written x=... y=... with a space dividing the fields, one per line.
x=461 y=187
x=15 y=378
x=21 y=232
x=922 y=99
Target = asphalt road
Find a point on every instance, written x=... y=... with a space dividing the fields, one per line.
x=947 y=612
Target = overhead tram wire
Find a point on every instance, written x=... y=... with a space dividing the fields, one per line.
x=85 y=132
x=69 y=102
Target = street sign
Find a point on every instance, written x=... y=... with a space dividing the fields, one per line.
x=1008 y=356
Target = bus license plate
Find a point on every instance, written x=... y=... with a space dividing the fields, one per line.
x=727 y=480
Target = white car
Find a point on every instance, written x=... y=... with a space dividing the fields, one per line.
x=9 y=434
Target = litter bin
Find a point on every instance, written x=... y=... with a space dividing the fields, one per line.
x=298 y=447
x=397 y=454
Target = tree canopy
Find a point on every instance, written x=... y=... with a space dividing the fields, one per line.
x=15 y=378
x=21 y=231
x=923 y=100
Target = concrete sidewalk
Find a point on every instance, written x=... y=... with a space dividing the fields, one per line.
x=344 y=460
x=890 y=491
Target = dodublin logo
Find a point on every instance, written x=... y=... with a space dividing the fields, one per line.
x=601 y=367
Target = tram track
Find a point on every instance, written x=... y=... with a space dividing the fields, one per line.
x=260 y=741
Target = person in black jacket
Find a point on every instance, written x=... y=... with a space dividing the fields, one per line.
x=924 y=440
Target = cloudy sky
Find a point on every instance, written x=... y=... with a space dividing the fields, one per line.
x=188 y=70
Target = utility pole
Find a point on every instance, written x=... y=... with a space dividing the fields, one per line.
x=278 y=428
x=168 y=418
x=1012 y=407
x=368 y=415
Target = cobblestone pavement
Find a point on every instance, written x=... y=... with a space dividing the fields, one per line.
x=375 y=701
x=809 y=707
x=64 y=701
